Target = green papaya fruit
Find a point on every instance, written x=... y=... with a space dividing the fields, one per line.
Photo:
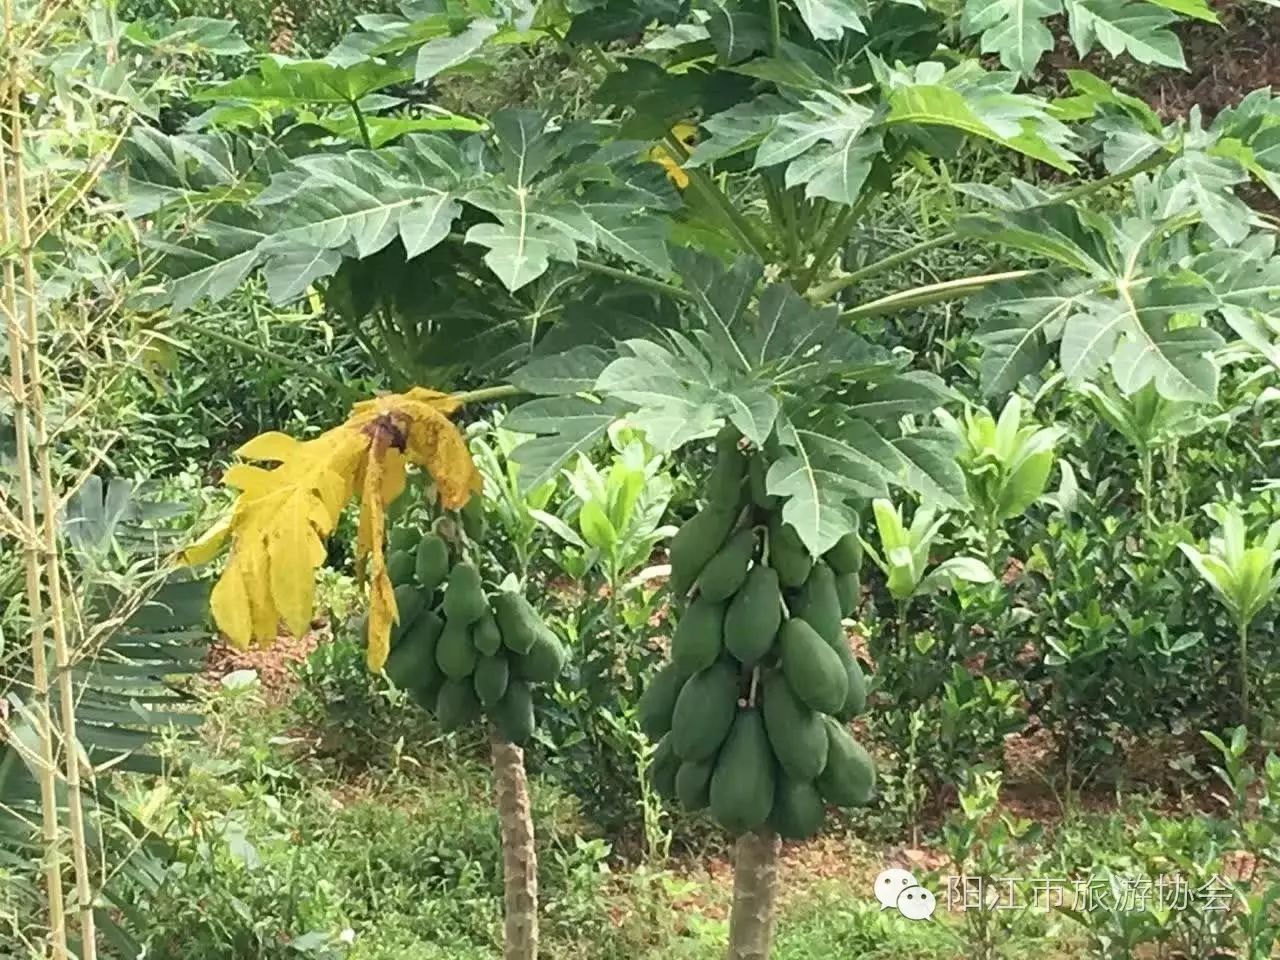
x=696 y=542
x=431 y=562
x=427 y=694
x=812 y=668
x=402 y=538
x=849 y=590
x=464 y=598
x=455 y=653
x=849 y=777
x=819 y=604
x=724 y=483
x=704 y=711
x=543 y=662
x=846 y=555
x=693 y=783
x=409 y=603
x=400 y=566
x=756 y=473
x=412 y=662
x=855 y=699
x=796 y=733
x=663 y=769
x=456 y=705
x=518 y=622
x=742 y=786
x=726 y=571
x=755 y=613
x=473 y=519
x=658 y=701
x=513 y=714
x=490 y=679
x=699 y=636
x=486 y=635
x=787 y=553
x=798 y=810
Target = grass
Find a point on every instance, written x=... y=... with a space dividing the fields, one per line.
x=281 y=853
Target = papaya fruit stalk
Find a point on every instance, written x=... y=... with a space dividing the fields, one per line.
x=519 y=856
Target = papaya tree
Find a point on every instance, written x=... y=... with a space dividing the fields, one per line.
x=684 y=250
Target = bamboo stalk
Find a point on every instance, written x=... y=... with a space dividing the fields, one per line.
x=31 y=547
x=52 y=570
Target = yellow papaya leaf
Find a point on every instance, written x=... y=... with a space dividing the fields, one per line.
x=210 y=543
x=245 y=476
x=270 y=446
x=232 y=611
x=687 y=134
x=382 y=601
x=279 y=522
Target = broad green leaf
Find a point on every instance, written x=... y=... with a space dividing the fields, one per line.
x=814 y=489
x=674 y=390
x=1202 y=181
x=284 y=82
x=156 y=169
x=383 y=130
x=736 y=30
x=1012 y=29
x=574 y=371
x=221 y=252
x=356 y=202
x=1022 y=318
x=977 y=102
x=1177 y=360
x=740 y=128
x=436 y=56
x=829 y=19
x=1136 y=27
x=291 y=273
x=912 y=392
x=1089 y=338
x=1056 y=232
x=567 y=426
x=946 y=573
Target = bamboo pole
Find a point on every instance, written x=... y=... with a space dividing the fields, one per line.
x=31 y=546
x=52 y=569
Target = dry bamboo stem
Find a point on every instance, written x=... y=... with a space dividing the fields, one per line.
x=52 y=570
x=31 y=550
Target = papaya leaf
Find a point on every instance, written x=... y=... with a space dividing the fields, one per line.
x=1013 y=29
x=829 y=19
x=278 y=523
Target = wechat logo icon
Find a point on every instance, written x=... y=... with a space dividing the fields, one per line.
x=897 y=889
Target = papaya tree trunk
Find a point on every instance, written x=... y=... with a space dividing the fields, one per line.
x=519 y=858
x=755 y=886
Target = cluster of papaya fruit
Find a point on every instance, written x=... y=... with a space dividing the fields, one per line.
x=751 y=708
x=461 y=653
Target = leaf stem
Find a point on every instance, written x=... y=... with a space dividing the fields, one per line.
x=658 y=286
x=932 y=293
x=481 y=394
x=362 y=124
x=834 y=286
x=714 y=195
x=1244 y=672
x=775 y=28
x=836 y=234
